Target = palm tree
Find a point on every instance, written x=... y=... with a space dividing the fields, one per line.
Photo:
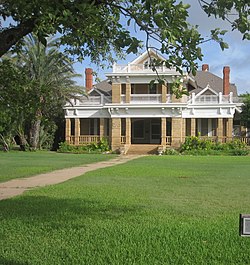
x=50 y=75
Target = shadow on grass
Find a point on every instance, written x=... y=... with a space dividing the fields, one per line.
x=11 y=262
x=47 y=209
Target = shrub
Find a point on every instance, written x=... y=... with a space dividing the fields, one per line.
x=195 y=143
x=171 y=151
x=196 y=146
x=239 y=152
x=100 y=147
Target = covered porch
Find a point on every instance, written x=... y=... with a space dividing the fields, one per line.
x=173 y=131
x=80 y=131
x=165 y=131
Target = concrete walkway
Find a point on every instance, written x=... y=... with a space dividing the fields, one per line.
x=16 y=187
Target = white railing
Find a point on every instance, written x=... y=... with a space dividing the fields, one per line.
x=207 y=99
x=91 y=100
x=145 y=98
x=226 y=99
x=169 y=98
x=238 y=99
x=210 y=99
x=123 y=98
x=154 y=98
x=128 y=68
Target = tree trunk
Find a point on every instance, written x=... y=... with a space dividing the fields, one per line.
x=35 y=130
x=4 y=143
x=23 y=141
x=35 y=133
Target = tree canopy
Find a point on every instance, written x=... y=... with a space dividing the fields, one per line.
x=99 y=28
x=245 y=114
x=34 y=86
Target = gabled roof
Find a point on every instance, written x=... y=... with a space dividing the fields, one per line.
x=103 y=87
x=146 y=54
x=203 y=78
x=207 y=88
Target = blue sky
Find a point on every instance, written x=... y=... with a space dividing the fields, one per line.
x=237 y=56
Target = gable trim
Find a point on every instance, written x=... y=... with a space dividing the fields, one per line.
x=145 y=56
x=205 y=89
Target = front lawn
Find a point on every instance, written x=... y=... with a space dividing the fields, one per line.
x=16 y=164
x=153 y=210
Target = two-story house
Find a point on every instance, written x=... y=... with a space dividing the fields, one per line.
x=132 y=113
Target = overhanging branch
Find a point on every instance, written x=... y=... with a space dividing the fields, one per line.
x=11 y=36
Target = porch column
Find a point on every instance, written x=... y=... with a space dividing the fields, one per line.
x=77 y=131
x=229 y=128
x=101 y=127
x=128 y=92
x=128 y=131
x=163 y=94
x=220 y=129
x=193 y=126
x=183 y=130
x=67 y=131
x=115 y=134
x=176 y=131
x=163 y=131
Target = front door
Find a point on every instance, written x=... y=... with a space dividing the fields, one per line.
x=146 y=131
x=155 y=134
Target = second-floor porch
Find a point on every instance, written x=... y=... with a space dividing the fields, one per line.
x=154 y=99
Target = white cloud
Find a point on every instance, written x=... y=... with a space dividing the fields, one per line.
x=237 y=56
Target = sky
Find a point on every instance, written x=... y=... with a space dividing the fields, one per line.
x=237 y=56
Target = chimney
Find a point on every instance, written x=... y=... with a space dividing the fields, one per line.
x=88 y=79
x=205 y=67
x=226 y=84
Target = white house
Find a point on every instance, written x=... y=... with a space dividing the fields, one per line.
x=134 y=114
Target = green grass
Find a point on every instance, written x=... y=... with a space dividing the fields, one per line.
x=153 y=210
x=24 y=164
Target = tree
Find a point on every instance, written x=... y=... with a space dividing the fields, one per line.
x=42 y=84
x=14 y=102
x=245 y=114
x=236 y=12
x=98 y=28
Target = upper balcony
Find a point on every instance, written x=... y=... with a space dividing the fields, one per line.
x=137 y=99
x=212 y=99
x=142 y=68
x=85 y=101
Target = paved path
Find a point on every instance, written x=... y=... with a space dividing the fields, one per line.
x=15 y=187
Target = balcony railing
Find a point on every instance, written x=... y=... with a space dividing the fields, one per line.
x=141 y=98
x=211 y=99
x=145 y=98
x=154 y=99
x=91 y=100
x=142 y=68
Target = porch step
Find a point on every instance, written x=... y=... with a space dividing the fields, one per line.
x=141 y=149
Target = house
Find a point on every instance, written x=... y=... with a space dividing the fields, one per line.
x=133 y=113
